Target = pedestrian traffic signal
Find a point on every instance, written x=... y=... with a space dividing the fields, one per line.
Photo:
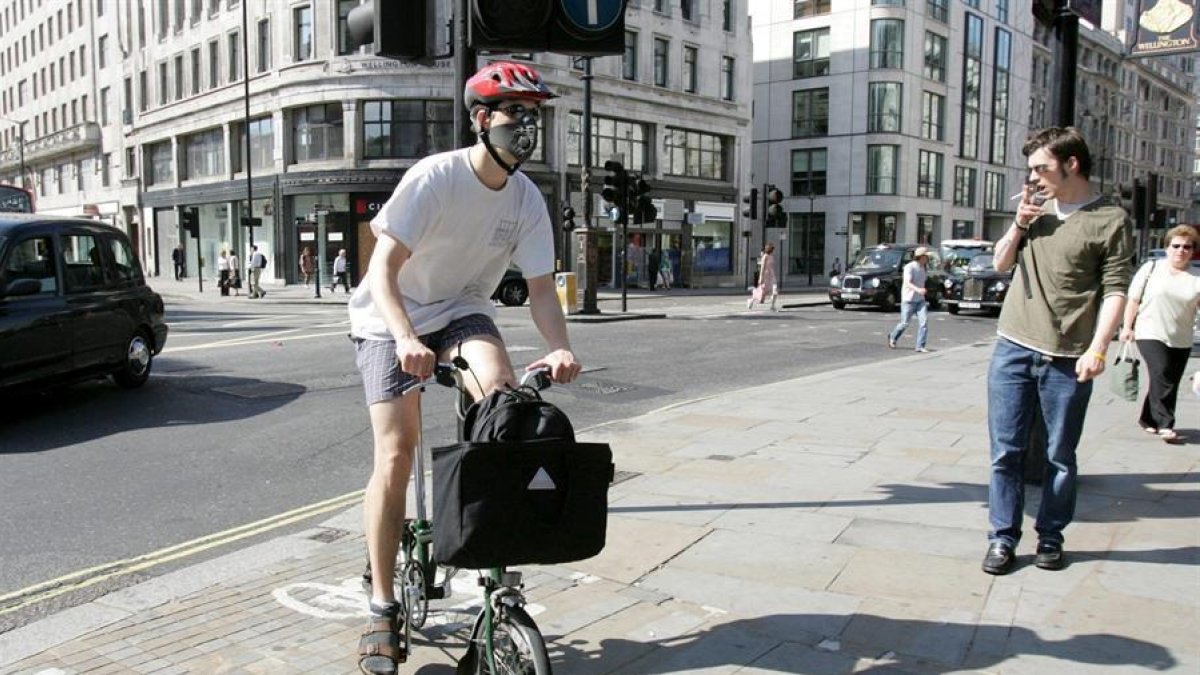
x=396 y=29
x=775 y=217
x=616 y=190
x=568 y=218
x=583 y=28
x=751 y=202
x=190 y=220
x=642 y=206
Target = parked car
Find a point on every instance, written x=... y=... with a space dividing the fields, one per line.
x=977 y=286
x=957 y=253
x=512 y=290
x=74 y=304
x=876 y=275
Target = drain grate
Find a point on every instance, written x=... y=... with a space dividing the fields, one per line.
x=722 y=458
x=622 y=476
x=328 y=535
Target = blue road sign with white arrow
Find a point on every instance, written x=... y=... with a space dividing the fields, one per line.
x=593 y=15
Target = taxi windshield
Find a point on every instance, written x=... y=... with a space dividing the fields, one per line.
x=982 y=263
x=882 y=258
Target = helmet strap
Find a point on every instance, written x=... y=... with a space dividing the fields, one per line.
x=485 y=136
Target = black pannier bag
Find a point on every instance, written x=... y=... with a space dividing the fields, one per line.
x=521 y=490
x=522 y=503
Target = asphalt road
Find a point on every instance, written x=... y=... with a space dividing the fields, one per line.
x=256 y=410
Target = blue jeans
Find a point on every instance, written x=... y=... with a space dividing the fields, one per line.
x=916 y=306
x=1019 y=381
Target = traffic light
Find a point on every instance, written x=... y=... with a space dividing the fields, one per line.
x=616 y=190
x=190 y=219
x=775 y=216
x=568 y=218
x=396 y=29
x=583 y=28
x=751 y=202
x=640 y=203
x=1140 y=214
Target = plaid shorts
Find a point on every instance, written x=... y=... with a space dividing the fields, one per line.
x=381 y=375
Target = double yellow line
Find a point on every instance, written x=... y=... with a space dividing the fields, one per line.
x=11 y=602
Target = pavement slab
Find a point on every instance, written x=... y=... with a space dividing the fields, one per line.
x=828 y=524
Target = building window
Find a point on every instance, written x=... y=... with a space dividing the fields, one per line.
x=809 y=168
x=407 y=128
x=884 y=100
x=929 y=175
x=937 y=10
x=1000 y=97
x=727 y=15
x=803 y=8
x=179 y=15
x=695 y=154
x=262 y=145
x=993 y=191
x=180 y=85
x=726 y=78
x=102 y=52
x=317 y=133
x=661 y=63
x=264 y=45
x=882 y=163
x=972 y=78
x=214 y=65
x=964 y=186
x=343 y=34
x=203 y=153
x=810 y=53
x=77 y=169
x=810 y=112
x=159 y=171
x=197 y=69
x=927 y=227
x=130 y=162
x=105 y=169
x=303 y=21
x=143 y=91
x=689 y=69
x=235 y=56
x=629 y=60
x=686 y=10
x=163 y=83
x=1002 y=11
x=104 y=107
x=963 y=229
x=933 y=116
x=610 y=137
x=163 y=19
x=935 y=57
x=887 y=43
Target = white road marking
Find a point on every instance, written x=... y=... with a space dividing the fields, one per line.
x=252 y=340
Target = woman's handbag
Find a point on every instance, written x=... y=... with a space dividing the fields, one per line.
x=758 y=294
x=1124 y=378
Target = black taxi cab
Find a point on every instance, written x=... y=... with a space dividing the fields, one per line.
x=74 y=304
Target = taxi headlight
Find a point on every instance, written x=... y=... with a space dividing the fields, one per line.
x=834 y=281
x=875 y=282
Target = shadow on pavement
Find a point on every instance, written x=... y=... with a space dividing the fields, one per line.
x=55 y=418
x=800 y=643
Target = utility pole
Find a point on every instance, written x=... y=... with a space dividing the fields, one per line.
x=464 y=68
x=587 y=236
x=249 y=220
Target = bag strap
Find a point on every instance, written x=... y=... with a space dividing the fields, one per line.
x=1147 y=281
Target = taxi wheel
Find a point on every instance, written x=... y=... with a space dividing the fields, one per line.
x=139 y=358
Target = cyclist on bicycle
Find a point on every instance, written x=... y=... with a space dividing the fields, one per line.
x=445 y=237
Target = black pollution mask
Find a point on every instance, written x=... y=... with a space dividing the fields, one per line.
x=519 y=138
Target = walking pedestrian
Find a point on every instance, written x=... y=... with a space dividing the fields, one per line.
x=836 y=270
x=340 y=272
x=307 y=265
x=665 y=275
x=766 y=279
x=912 y=300
x=1072 y=250
x=235 y=274
x=256 y=263
x=177 y=259
x=223 y=272
x=1160 y=315
x=445 y=238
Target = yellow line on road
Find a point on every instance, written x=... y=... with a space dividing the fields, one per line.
x=94 y=575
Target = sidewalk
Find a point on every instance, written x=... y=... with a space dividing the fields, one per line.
x=829 y=524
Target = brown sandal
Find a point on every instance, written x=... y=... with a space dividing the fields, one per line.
x=379 y=649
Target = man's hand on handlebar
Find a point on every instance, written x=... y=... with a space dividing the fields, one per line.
x=562 y=364
x=415 y=358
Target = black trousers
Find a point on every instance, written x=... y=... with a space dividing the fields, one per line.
x=1165 y=366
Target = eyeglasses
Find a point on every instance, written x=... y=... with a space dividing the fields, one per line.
x=518 y=111
x=1186 y=247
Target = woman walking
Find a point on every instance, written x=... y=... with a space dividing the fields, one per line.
x=223 y=271
x=766 y=279
x=308 y=265
x=1159 y=316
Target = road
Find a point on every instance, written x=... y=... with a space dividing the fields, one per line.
x=257 y=410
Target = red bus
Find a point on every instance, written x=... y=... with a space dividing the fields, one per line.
x=15 y=200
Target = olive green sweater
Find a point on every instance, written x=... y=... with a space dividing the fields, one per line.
x=1071 y=265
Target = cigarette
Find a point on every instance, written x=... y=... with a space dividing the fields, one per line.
x=1016 y=196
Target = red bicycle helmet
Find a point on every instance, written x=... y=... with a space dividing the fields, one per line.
x=503 y=81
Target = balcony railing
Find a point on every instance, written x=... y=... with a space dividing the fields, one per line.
x=79 y=138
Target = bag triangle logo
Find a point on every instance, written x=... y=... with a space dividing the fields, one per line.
x=542 y=481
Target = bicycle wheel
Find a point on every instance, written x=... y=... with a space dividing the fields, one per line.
x=416 y=601
x=518 y=646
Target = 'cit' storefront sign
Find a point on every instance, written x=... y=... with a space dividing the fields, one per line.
x=1165 y=27
x=369 y=206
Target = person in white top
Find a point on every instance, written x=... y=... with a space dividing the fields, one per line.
x=912 y=300
x=223 y=272
x=445 y=238
x=340 y=275
x=1159 y=315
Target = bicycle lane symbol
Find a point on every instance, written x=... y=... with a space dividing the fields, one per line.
x=348 y=601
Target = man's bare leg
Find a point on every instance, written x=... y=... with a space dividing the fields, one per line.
x=395 y=424
x=489 y=363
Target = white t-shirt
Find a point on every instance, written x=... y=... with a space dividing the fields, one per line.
x=462 y=236
x=1168 y=308
x=914 y=273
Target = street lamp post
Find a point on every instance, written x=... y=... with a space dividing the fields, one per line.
x=20 y=144
x=808 y=234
